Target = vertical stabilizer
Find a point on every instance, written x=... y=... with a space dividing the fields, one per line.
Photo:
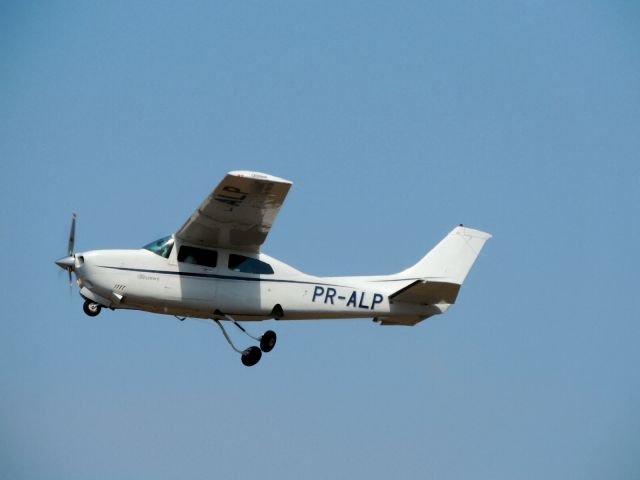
x=452 y=258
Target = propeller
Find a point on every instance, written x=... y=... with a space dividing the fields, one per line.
x=72 y=235
x=68 y=263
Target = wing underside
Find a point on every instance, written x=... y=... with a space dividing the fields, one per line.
x=238 y=214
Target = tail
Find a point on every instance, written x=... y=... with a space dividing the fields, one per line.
x=436 y=279
x=451 y=259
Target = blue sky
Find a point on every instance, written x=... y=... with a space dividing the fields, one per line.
x=395 y=121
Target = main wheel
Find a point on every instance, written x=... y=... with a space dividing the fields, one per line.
x=251 y=356
x=91 y=308
x=268 y=341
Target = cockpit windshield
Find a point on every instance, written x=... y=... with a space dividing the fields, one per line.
x=161 y=247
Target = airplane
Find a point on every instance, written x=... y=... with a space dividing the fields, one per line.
x=213 y=268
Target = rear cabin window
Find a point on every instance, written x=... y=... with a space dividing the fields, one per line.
x=198 y=256
x=240 y=263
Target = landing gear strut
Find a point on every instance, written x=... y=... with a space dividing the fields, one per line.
x=91 y=308
x=251 y=355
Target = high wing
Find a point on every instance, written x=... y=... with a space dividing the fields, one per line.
x=239 y=212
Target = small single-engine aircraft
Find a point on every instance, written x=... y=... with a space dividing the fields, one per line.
x=212 y=268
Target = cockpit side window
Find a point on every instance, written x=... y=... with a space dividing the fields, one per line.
x=240 y=263
x=161 y=247
x=198 y=256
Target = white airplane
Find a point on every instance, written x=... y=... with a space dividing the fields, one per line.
x=212 y=268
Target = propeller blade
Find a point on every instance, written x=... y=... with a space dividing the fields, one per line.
x=72 y=237
x=68 y=263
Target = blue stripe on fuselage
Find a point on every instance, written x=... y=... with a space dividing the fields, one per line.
x=220 y=277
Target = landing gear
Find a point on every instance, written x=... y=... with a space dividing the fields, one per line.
x=91 y=308
x=268 y=341
x=251 y=355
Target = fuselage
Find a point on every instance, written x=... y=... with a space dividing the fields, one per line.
x=190 y=281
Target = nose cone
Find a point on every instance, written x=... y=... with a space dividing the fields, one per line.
x=67 y=263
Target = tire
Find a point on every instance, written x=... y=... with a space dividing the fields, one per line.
x=268 y=341
x=251 y=356
x=91 y=308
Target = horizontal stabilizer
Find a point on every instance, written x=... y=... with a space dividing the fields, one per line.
x=424 y=292
x=399 y=321
x=410 y=320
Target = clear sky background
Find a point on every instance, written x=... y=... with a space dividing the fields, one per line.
x=396 y=121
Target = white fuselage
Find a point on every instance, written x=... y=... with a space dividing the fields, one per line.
x=144 y=280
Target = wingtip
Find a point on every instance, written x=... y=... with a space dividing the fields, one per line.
x=258 y=176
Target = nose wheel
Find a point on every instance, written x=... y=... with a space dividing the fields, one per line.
x=91 y=308
x=253 y=354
